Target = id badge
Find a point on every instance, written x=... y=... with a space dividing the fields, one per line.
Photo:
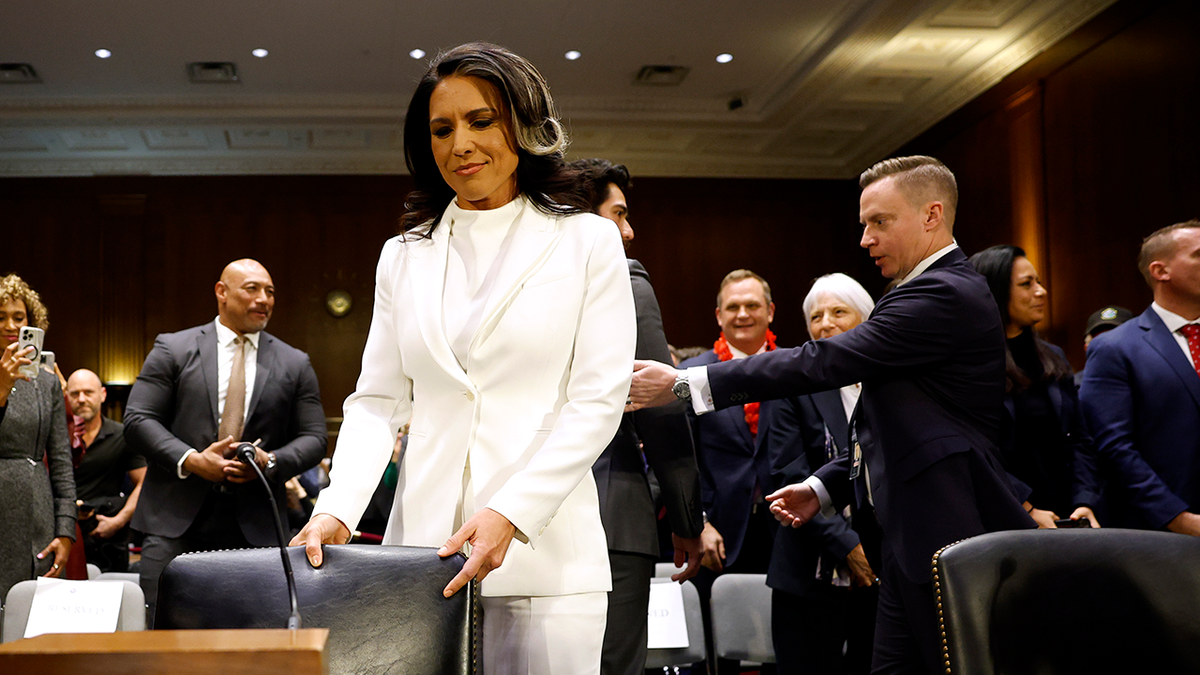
x=856 y=464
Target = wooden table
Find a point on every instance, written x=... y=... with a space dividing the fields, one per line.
x=178 y=652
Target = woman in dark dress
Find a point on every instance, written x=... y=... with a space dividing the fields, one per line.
x=1043 y=442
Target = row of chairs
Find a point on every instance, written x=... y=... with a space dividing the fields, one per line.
x=741 y=621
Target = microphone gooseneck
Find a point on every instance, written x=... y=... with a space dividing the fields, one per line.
x=247 y=453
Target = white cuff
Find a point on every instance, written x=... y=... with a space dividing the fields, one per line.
x=697 y=377
x=179 y=470
x=822 y=495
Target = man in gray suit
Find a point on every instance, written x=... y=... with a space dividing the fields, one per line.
x=197 y=496
x=626 y=506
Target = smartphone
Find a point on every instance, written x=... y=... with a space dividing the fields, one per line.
x=31 y=337
x=1068 y=523
x=48 y=361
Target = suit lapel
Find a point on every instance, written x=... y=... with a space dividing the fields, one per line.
x=1161 y=340
x=262 y=373
x=426 y=269
x=206 y=344
x=833 y=413
x=534 y=240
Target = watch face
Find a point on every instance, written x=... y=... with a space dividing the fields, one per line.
x=682 y=390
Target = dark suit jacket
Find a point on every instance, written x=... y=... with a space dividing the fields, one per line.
x=731 y=460
x=1141 y=401
x=173 y=407
x=931 y=362
x=795 y=439
x=626 y=508
x=1086 y=488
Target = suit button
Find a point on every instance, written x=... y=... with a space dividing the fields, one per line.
x=469 y=396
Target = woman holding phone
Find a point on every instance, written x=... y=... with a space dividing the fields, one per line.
x=504 y=330
x=39 y=506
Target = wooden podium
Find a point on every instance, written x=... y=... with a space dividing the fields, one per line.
x=178 y=652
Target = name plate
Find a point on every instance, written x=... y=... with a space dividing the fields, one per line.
x=666 y=622
x=64 y=606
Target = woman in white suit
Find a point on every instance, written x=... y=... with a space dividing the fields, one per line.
x=504 y=329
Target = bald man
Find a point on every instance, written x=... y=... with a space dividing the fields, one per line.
x=197 y=496
x=108 y=476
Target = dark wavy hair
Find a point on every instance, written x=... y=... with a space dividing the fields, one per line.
x=596 y=175
x=542 y=174
x=996 y=265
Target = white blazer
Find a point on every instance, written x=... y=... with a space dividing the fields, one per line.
x=518 y=430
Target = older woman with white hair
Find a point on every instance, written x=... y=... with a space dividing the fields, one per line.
x=823 y=587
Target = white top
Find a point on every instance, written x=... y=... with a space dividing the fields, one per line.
x=1174 y=323
x=479 y=241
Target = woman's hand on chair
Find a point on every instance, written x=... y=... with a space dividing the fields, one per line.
x=490 y=535
x=322 y=529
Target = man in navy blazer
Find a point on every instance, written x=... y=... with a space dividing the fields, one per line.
x=735 y=470
x=1141 y=391
x=931 y=362
x=195 y=496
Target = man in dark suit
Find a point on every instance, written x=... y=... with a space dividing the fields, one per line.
x=197 y=496
x=735 y=471
x=931 y=362
x=627 y=507
x=1141 y=391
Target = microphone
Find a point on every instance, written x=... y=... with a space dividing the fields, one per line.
x=247 y=452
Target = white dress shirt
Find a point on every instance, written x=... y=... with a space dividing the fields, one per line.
x=1174 y=323
x=226 y=344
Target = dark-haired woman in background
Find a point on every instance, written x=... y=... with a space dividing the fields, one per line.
x=504 y=329
x=1043 y=441
x=38 y=507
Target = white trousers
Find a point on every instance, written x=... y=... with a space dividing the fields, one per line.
x=548 y=635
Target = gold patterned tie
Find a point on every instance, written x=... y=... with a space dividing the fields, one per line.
x=232 y=418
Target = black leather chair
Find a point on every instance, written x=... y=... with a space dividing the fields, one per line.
x=383 y=605
x=1070 y=601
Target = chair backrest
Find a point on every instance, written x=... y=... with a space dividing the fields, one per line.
x=694 y=652
x=1070 y=601
x=665 y=570
x=20 y=599
x=118 y=576
x=741 y=618
x=93 y=571
x=383 y=605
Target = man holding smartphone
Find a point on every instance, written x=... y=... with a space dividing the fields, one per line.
x=202 y=392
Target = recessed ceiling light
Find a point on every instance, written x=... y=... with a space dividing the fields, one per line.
x=260 y=53
x=417 y=53
x=724 y=58
x=103 y=53
x=572 y=55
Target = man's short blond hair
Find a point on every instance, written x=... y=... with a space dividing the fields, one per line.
x=921 y=179
x=741 y=275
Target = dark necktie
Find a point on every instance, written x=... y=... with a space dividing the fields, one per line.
x=232 y=418
x=1192 y=333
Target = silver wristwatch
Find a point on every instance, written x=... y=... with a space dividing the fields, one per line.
x=270 y=461
x=681 y=388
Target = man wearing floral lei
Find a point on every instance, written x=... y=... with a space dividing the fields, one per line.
x=734 y=474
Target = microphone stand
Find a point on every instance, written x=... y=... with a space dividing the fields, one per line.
x=247 y=453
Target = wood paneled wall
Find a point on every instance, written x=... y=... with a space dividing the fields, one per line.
x=1080 y=154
